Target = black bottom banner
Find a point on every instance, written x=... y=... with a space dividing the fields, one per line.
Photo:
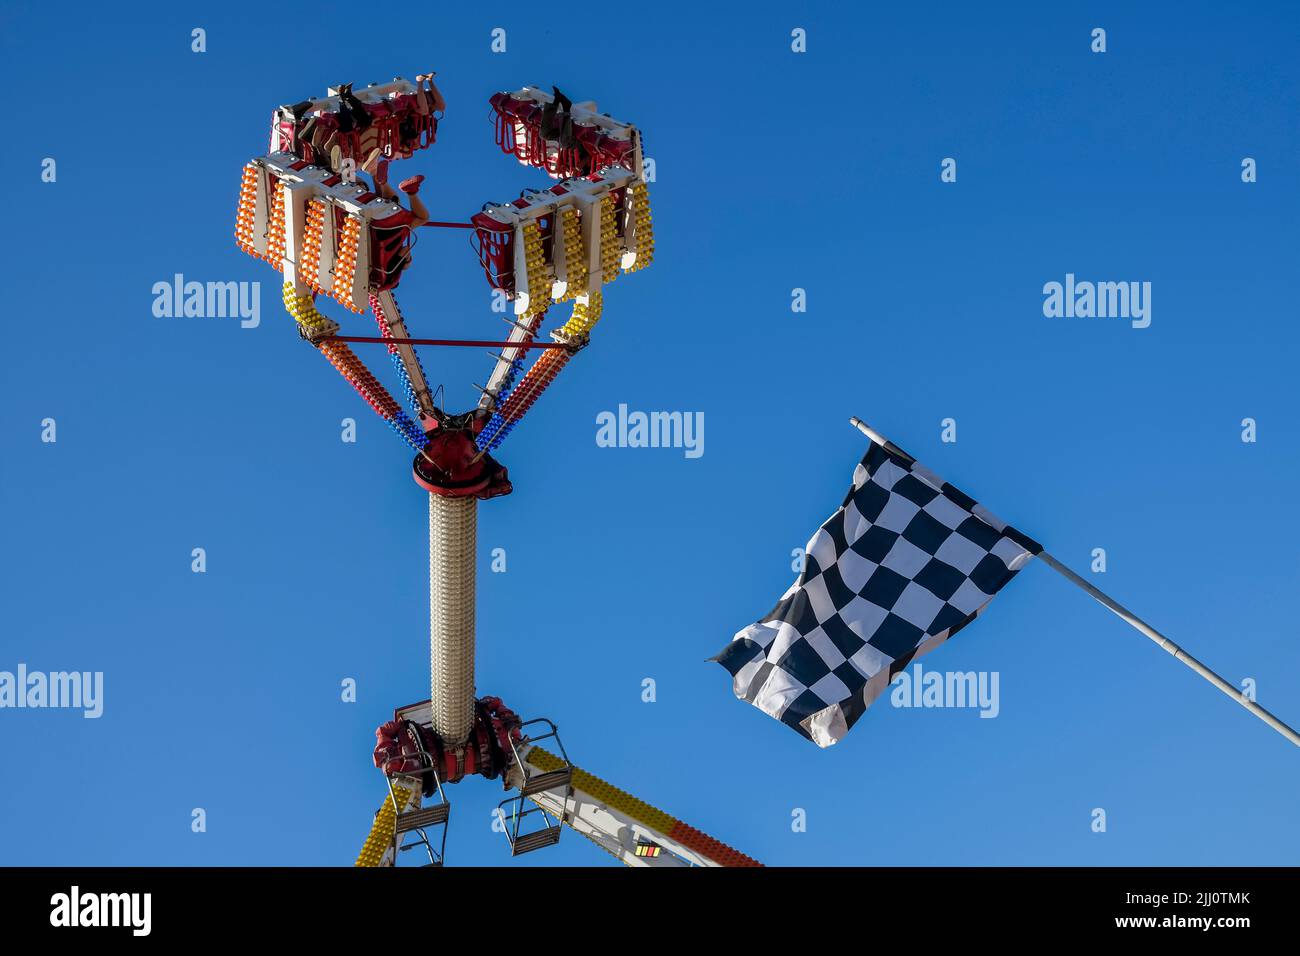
x=461 y=904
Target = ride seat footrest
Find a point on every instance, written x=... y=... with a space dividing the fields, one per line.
x=528 y=842
x=424 y=817
x=550 y=780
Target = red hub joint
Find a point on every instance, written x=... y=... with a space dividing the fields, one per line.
x=404 y=746
x=452 y=465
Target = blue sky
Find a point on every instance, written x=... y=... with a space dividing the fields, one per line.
x=775 y=171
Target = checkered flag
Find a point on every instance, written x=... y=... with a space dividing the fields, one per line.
x=906 y=562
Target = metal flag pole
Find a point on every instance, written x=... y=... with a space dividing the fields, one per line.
x=1128 y=617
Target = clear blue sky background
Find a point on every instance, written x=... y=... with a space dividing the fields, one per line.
x=775 y=171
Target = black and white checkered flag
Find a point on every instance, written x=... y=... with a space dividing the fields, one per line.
x=906 y=562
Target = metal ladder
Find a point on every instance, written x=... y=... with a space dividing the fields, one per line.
x=420 y=820
x=535 y=782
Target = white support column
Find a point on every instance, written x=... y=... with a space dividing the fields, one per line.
x=453 y=524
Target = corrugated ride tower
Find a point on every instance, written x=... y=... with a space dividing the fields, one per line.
x=304 y=209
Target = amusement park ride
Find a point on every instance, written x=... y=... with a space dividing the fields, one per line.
x=303 y=209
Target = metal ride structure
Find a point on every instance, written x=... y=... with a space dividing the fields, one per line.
x=303 y=210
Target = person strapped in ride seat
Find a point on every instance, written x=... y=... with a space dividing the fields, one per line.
x=393 y=233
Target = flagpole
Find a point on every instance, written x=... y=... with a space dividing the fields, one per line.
x=1131 y=619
